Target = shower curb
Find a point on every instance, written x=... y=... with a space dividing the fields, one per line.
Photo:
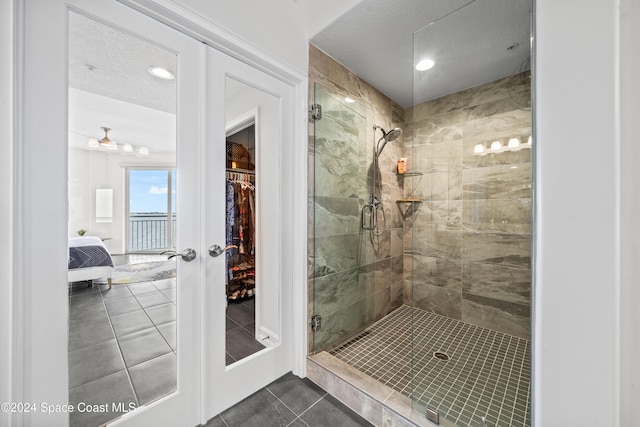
x=377 y=403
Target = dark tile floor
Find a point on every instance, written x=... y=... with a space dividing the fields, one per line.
x=289 y=401
x=240 y=336
x=122 y=344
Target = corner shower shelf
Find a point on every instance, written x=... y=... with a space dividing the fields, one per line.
x=409 y=200
x=411 y=173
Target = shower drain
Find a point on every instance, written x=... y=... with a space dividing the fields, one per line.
x=440 y=355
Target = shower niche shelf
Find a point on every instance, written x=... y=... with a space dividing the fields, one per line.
x=411 y=174
x=410 y=198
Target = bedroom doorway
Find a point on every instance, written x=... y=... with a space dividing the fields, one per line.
x=204 y=384
x=123 y=167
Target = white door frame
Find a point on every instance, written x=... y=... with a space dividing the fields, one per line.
x=39 y=362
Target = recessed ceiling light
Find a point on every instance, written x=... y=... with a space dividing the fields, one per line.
x=349 y=100
x=425 y=64
x=161 y=73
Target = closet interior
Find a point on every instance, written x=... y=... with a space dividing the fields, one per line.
x=240 y=238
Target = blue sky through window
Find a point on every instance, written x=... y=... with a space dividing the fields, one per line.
x=149 y=189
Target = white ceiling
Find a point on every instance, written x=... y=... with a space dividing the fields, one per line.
x=110 y=86
x=468 y=40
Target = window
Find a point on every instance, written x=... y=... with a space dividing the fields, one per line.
x=151 y=215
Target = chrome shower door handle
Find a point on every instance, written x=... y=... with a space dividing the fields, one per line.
x=186 y=255
x=216 y=250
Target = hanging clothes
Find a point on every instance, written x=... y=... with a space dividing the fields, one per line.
x=240 y=231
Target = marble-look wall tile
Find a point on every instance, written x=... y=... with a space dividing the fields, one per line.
x=445 y=213
x=396 y=295
x=443 y=157
x=381 y=303
x=436 y=107
x=333 y=254
x=510 y=318
x=374 y=277
x=434 y=271
x=497 y=182
x=335 y=216
x=437 y=241
x=343 y=324
x=376 y=248
x=511 y=216
x=499 y=89
x=433 y=130
x=519 y=103
x=333 y=292
x=500 y=282
x=443 y=301
x=506 y=249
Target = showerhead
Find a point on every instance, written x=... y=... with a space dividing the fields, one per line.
x=393 y=134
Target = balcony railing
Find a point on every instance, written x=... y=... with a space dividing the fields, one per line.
x=150 y=232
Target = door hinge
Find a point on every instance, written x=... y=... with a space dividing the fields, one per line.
x=316 y=111
x=433 y=416
x=316 y=322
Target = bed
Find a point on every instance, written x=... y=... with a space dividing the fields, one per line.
x=89 y=260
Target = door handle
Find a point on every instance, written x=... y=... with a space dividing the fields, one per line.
x=186 y=255
x=216 y=250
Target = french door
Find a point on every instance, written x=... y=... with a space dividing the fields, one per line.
x=214 y=93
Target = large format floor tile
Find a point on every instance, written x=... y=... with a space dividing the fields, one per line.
x=114 y=390
x=84 y=334
x=93 y=362
x=162 y=314
x=141 y=346
x=133 y=321
x=154 y=378
x=292 y=402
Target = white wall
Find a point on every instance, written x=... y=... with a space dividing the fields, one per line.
x=630 y=212
x=6 y=189
x=577 y=292
x=93 y=169
x=323 y=13
x=278 y=27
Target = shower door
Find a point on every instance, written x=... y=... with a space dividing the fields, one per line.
x=342 y=301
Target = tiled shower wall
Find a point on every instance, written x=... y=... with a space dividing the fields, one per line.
x=467 y=245
x=353 y=281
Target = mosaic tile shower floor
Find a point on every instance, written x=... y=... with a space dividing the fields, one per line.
x=486 y=376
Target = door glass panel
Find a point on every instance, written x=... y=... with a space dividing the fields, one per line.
x=343 y=249
x=252 y=302
x=122 y=311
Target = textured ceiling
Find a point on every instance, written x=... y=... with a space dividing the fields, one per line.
x=468 y=39
x=110 y=86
